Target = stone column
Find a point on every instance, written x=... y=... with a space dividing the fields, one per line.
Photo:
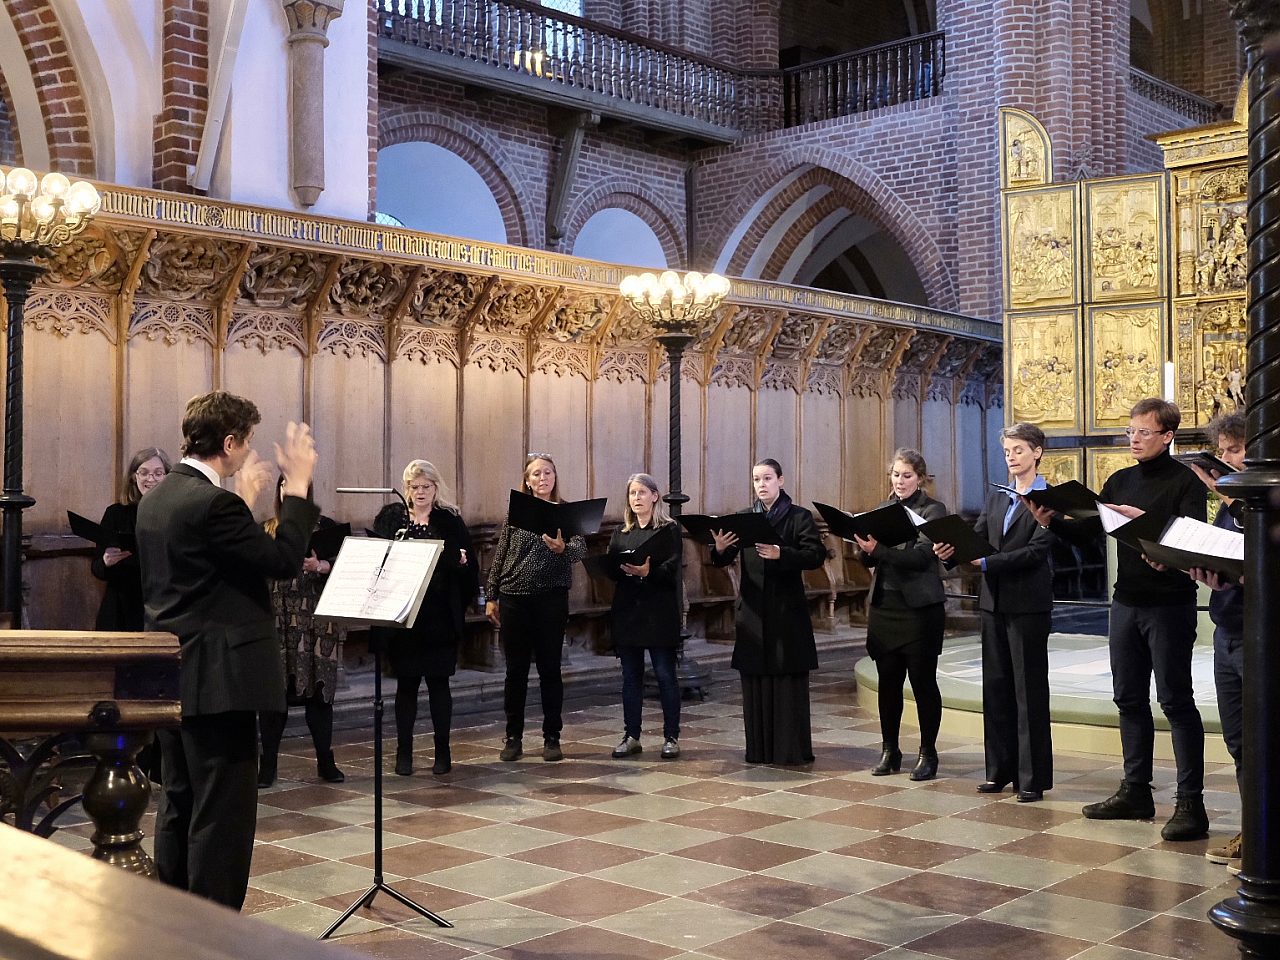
x=308 y=36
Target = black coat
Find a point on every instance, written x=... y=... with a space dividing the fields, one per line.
x=774 y=632
x=429 y=647
x=121 y=607
x=205 y=566
x=1018 y=578
x=645 y=611
x=909 y=567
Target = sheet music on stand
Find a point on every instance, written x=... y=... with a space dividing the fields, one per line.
x=379 y=582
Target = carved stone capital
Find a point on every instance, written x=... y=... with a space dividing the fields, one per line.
x=1258 y=18
x=309 y=19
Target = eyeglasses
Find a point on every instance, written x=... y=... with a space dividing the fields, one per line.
x=1143 y=432
x=534 y=455
x=150 y=474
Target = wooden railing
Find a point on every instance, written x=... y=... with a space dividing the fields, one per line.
x=1195 y=108
x=530 y=42
x=879 y=76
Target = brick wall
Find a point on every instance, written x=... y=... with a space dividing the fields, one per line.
x=184 y=92
x=10 y=150
x=1147 y=117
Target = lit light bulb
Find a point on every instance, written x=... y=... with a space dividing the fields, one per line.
x=54 y=185
x=43 y=209
x=21 y=182
x=9 y=209
x=82 y=199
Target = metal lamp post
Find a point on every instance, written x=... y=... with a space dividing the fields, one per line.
x=36 y=215
x=678 y=308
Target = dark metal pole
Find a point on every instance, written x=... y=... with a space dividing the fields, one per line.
x=1253 y=915
x=18 y=275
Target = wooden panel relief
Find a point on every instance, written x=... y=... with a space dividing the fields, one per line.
x=1103 y=462
x=1209 y=354
x=1125 y=353
x=1125 y=229
x=1041 y=246
x=1042 y=369
x=1059 y=466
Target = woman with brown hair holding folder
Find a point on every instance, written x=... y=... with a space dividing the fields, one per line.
x=428 y=650
x=773 y=650
x=645 y=614
x=528 y=600
x=121 y=607
x=905 y=622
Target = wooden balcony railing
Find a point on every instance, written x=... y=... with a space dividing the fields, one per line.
x=1197 y=109
x=524 y=46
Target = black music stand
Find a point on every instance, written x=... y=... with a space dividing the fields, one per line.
x=379 y=884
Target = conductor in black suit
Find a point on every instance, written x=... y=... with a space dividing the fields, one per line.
x=1016 y=605
x=205 y=570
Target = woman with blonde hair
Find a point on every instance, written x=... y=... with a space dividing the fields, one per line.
x=428 y=649
x=645 y=614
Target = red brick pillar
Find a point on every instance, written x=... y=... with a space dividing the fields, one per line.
x=184 y=93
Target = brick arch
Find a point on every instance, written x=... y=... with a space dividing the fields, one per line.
x=865 y=193
x=58 y=87
x=474 y=145
x=635 y=197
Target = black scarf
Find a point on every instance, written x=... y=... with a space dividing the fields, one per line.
x=779 y=509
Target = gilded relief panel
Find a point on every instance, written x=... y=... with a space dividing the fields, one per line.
x=1042 y=369
x=1041 y=247
x=1059 y=466
x=1124 y=222
x=1026 y=154
x=1103 y=462
x=1124 y=358
x=1212 y=246
x=1209 y=355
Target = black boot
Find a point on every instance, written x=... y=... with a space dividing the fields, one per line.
x=1131 y=802
x=266 y=770
x=926 y=764
x=404 y=758
x=444 y=760
x=328 y=770
x=890 y=762
x=1189 y=820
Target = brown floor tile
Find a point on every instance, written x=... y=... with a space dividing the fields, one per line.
x=256 y=901
x=1083 y=853
x=268 y=858
x=441 y=795
x=304 y=798
x=867 y=816
x=948 y=894
x=586 y=899
x=387 y=909
x=790 y=940
x=744 y=853
x=576 y=770
x=285 y=826
x=579 y=823
x=1179 y=938
x=1028 y=816
x=852 y=791
x=904 y=851
x=974 y=939
x=433 y=823
x=391 y=944
x=585 y=943
x=581 y=856
x=575 y=794
x=958 y=786
x=1127 y=890
x=712 y=791
x=727 y=819
x=413 y=859
x=767 y=896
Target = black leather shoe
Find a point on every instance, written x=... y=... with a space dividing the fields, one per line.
x=1131 y=802
x=890 y=762
x=404 y=762
x=328 y=770
x=1030 y=796
x=1189 y=820
x=266 y=771
x=992 y=786
x=444 y=761
x=926 y=767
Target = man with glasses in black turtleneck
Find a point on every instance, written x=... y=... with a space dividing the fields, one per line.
x=1152 y=628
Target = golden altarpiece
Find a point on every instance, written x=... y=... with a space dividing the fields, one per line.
x=1111 y=282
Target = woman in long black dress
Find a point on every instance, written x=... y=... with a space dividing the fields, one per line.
x=428 y=650
x=906 y=621
x=645 y=614
x=121 y=607
x=774 y=650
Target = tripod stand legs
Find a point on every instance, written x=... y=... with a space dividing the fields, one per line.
x=366 y=899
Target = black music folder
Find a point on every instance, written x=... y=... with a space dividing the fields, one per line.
x=957 y=531
x=1148 y=526
x=327 y=541
x=86 y=529
x=1185 y=543
x=890 y=525
x=658 y=547
x=571 y=518
x=1205 y=461
x=1072 y=498
x=751 y=527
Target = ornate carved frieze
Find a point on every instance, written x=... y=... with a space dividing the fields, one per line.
x=906 y=385
x=734 y=371
x=629 y=327
x=825 y=378
x=749 y=328
x=795 y=336
x=918 y=355
x=839 y=341
x=345 y=337
x=280 y=279
x=781 y=375
x=171 y=321
x=64 y=313
x=866 y=381
x=691 y=368
x=191 y=268
x=973 y=393
x=265 y=330
x=941 y=388
x=563 y=360
x=499 y=354
x=622 y=366
x=512 y=309
x=578 y=317
x=443 y=298
x=365 y=288
x=882 y=348
x=98 y=259
x=956 y=357
x=427 y=345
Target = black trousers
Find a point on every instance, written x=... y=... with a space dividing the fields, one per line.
x=894 y=667
x=319 y=723
x=1156 y=640
x=533 y=633
x=209 y=805
x=1015 y=699
x=440 y=700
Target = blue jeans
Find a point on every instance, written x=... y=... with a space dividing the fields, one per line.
x=664 y=668
x=1228 y=678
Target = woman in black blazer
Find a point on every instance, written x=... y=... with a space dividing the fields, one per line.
x=906 y=621
x=645 y=614
x=428 y=650
x=774 y=650
x=121 y=607
x=1016 y=606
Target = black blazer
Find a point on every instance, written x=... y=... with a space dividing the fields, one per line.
x=774 y=633
x=1019 y=578
x=909 y=567
x=205 y=566
x=121 y=607
x=453 y=585
x=645 y=611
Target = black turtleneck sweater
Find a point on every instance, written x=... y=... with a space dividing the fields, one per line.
x=1161 y=486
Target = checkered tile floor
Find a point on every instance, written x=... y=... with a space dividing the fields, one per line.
x=708 y=857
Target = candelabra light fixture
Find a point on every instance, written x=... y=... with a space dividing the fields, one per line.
x=37 y=214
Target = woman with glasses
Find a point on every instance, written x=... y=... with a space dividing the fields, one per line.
x=121 y=607
x=528 y=593
x=773 y=649
x=428 y=650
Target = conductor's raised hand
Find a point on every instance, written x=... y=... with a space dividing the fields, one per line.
x=252 y=478
x=554 y=544
x=724 y=540
x=296 y=458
